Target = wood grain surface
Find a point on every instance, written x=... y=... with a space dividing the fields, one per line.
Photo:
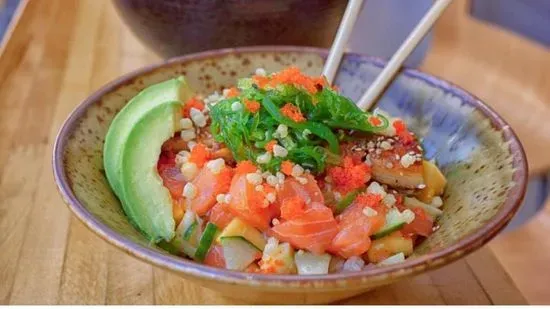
x=62 y=50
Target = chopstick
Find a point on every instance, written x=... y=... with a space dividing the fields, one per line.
x=369 y=98
x=339 y=44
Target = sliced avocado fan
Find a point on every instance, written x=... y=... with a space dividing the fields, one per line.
x=171 y=90
x=146 y=201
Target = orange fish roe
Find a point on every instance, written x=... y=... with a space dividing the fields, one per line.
x=375 y=121
x=349 y=176
x=292 y=207
x=233 y=92
x=251 y=105
x=269 y=146
x=368 y=199
x=261 y=81
x=200 y=155
x=293 y=112
x=245 y=167
x=286 y=167
x=270 y=265
x=191 y=103
x=402 y=132
x=223 y=180
x=293 y=76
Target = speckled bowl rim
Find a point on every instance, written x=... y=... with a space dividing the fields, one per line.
x=320 y=282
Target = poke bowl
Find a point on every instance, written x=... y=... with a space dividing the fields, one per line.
x=317 y=202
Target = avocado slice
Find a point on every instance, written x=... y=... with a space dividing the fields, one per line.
x=171 y=90
x=145 y=199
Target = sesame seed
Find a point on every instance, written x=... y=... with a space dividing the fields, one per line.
x=389 y=165
x=182 y=157
x=389 y=200
x=297 y=170
x=265 y=203
x=191 y=145
x=385 y=145
x=337 y=196
x=408 y=216
x=264 y=158
x=369 y=212
x=186 y=123
x=198 y=117
x=227 y=198
x=188 y=135
x=397 y=157
x=259 y=188
x=272 y=180
x=260 y=72
x=280 y=177
x=407 y=160
x=216 y=166
x=220 y=198
x=301 y=180
x=271 y=197
x=275 y=221
x=368 y=161
x=280 y=151
x=189 y=170
x=328 y=179
x=282 y=131
x=236 y=106
x=378 y=151
x=376 y=188
x=189 y=190
x=421 y=186
x=254 y=178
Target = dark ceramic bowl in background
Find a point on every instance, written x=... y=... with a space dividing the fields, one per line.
x=477 y=150
x=177 y=27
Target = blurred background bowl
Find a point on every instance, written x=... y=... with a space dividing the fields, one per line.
x=177 y=27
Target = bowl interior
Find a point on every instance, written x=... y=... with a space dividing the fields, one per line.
x=478 y=153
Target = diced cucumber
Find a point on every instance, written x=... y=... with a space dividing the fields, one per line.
x=412 y=202
x=187 y=237
x=312 y=264
x=189 y=232
x=394 y=259
x=238 y=252
x=206 y=241
x=346 y=201
x=168 y=247
x=394 y=222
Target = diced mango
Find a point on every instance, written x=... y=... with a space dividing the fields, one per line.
x=238 y=227
x=387 y=246
x=434 y=180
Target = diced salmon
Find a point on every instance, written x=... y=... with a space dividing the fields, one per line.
x=171 y=175
x=208 y=186
x=354 y=230
x=307 y=192
x=220 y=215
x=174 y=145
x=215 y=257
x=313 y=230
x=422 y=224
x=247 y=203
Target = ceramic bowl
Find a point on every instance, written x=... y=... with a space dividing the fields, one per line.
x=479 y=153
x=177 y=27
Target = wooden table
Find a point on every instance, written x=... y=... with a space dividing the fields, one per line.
x=61 y=50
